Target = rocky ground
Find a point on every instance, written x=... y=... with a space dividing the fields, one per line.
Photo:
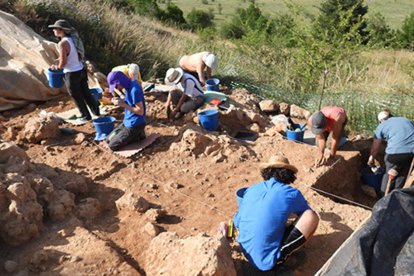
x=69 y=206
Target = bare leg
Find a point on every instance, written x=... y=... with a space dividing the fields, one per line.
x=307 y=223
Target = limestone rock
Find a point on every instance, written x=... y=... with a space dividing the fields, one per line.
x=269 y=106
x=8 y=149
x=23 y=81
x=41 y=128
x=254 y=127
x=284 y=108
x=61 y=204
x=298 y=112
x=133 y=202
x=88 y=208
x=203 y=256
x=152 y=215
x=80 y=138
x=151 y=229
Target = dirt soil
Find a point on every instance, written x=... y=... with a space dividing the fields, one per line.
x=189 y=174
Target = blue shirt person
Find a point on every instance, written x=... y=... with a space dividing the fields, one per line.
x=264 y=209
x=398 y=132
x=133 y=124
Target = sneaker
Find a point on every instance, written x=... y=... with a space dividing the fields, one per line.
x=84 y=119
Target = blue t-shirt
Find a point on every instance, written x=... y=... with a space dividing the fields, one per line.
x=399 y=134
x=133 y=96
x=261 y=218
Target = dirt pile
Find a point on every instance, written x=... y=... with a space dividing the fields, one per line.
x=27 y=194
x=168 y=255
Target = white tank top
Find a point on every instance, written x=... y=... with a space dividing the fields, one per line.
x=73 y=64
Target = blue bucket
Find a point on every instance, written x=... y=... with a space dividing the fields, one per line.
x=296 y=136
x=209 y=119
x=103 y=126
x=212 y=84
x=239 y=195
x=373 y=180
x=96 y=93
x=55 y=78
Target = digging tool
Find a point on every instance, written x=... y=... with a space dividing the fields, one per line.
x=409 y=176
x=392 y=173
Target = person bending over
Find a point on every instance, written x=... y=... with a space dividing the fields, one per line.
x=398 y=132
x=200 y=65
x=187 y=97
x=329 y=120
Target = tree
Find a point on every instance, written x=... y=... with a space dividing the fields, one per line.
x=380 y=33
x=173 y=15
x=147 y=7
x=198 y=19
x=343 y=18
x=406 y=35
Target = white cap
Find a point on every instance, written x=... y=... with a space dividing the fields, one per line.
x=383 y=115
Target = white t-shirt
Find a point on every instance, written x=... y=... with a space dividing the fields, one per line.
x=72 y=64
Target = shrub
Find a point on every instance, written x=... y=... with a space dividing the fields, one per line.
x=198 y=19
x=380 y=33
x=406 y=35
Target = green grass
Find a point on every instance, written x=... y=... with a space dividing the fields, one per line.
x=394 y=11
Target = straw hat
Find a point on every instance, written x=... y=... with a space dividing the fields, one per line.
x=173 y=76
x=280 y=162
x=61 y=24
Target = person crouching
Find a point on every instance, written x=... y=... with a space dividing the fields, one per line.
x=133 y=125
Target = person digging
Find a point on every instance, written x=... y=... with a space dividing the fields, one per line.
x=186 y=97
x=398 y=132
x=329 y=120
x=261 y=220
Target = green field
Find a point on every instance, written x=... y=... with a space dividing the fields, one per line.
x=393 y=10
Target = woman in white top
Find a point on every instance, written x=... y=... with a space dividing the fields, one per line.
x=76 y=79
x=187 y=97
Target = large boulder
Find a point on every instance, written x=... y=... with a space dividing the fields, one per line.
x=26 y=57
x=198 y=255
x=298 y=112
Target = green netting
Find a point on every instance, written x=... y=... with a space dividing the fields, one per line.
x=361 y=108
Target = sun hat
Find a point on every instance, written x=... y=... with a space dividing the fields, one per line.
x=279 y=162
x=318 y=122
x=210 y=60
x=113 y=79
x=383 y=115
x=61 y=24
x=173 y=76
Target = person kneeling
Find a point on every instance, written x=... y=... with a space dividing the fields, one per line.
x=133 y=125
x=264 y=209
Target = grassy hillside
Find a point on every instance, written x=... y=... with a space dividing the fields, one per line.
x=393 y=10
